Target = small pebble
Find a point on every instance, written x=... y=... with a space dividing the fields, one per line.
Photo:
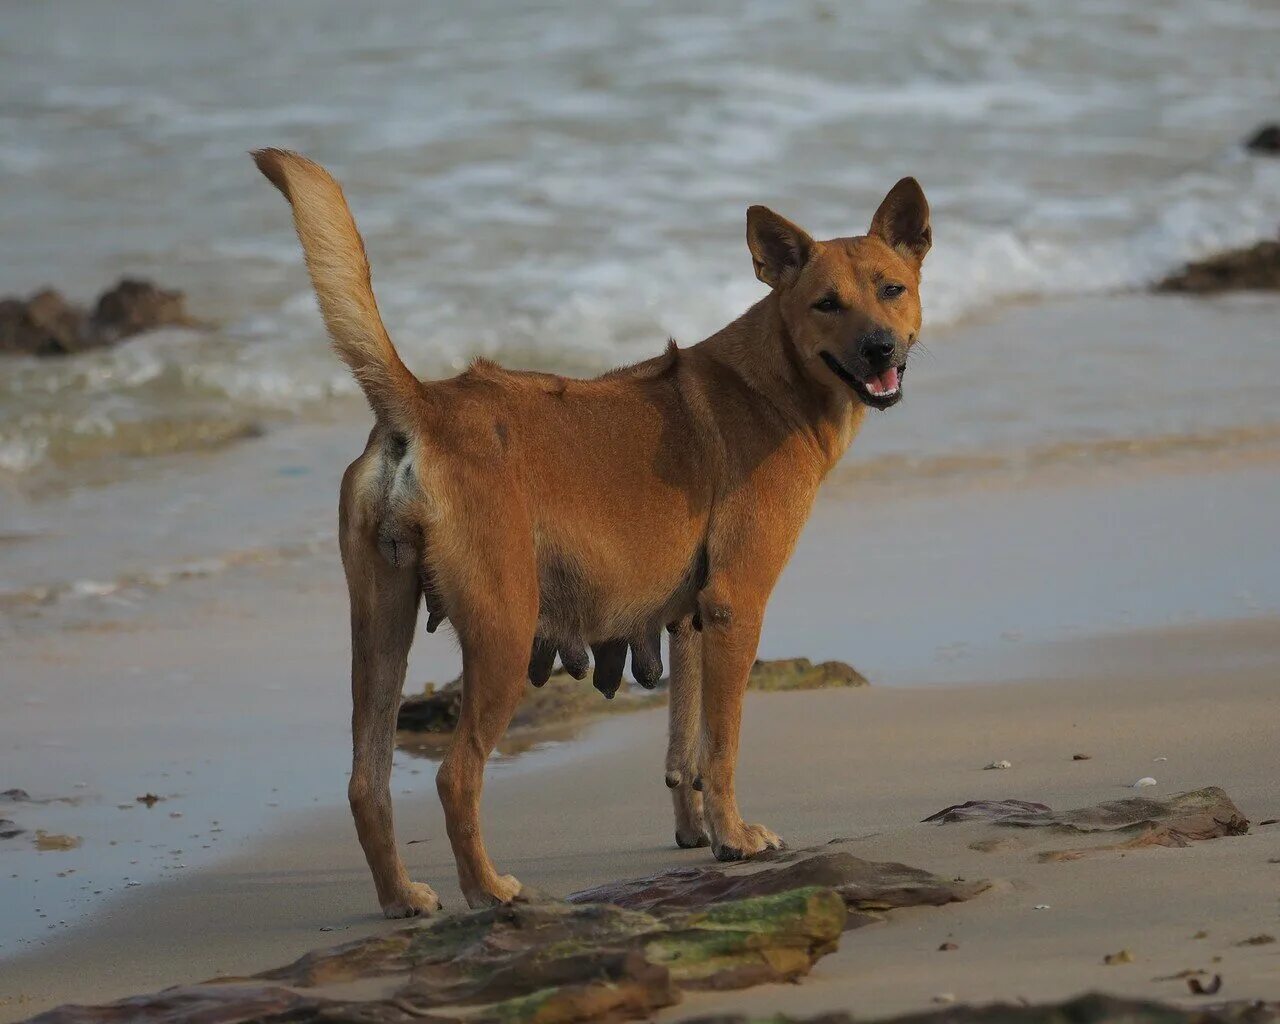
x=1041 y=906
x=1145 y=781
x=997 y=765
x=1123 y=957
x=944 y=997
x=947 y=947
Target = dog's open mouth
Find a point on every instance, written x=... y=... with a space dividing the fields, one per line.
x=879 y=391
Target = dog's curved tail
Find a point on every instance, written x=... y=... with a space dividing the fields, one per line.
x=339 y=272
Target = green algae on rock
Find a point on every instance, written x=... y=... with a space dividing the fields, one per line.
x=533 y=961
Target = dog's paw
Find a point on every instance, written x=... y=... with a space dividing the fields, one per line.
x=505 y=889
x=746 y=841
x=691 y=839
x=418 y=900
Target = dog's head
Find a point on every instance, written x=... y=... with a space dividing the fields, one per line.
x=850 y=305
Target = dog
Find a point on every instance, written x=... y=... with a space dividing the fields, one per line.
x=541 y=513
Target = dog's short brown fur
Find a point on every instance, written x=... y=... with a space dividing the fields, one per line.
x=530 y=505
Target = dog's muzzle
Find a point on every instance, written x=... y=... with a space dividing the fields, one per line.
x=880 y=388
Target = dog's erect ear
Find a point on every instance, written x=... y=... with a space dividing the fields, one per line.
x=903 y=221
x=778 y=248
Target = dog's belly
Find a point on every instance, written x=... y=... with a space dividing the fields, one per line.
x=594 y=599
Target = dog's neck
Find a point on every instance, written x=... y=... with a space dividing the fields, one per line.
x=758 y=349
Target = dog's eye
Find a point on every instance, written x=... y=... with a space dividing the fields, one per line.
x=892 y=291
x=828 y=304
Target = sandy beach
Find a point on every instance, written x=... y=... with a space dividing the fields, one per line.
x=1124 y=606
x=875 y=763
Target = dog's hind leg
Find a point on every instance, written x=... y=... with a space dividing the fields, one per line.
x=684 y=732
x=384 y=613
x=495 y=619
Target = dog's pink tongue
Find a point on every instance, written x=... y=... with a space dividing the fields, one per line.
x=885 y=384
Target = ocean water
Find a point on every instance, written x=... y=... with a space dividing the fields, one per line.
x=563 y=186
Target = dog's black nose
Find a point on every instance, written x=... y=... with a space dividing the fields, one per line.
x=877 y=347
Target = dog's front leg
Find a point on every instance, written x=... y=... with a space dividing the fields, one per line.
x=731 y=619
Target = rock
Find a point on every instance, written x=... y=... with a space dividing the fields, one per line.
x=47 y=324
x=558 y=701
x=1265 y=140
x=527 y=962
x=51 y=841
x=802 y=674
x=1115 y=959
x=16 y=796
x=1144 y=782
x=9 y=829
x=997 y=766
x=43 y=325
x=990 y=810
x=1179 y=821
x=1256 y=268
x=867 y=887
x=134 y=306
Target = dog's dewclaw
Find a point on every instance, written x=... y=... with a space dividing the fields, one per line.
x=646 y=659
x=541 y=660
x=611 y=659
x=573 y=656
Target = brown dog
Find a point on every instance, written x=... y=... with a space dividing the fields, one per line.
x=484 y=493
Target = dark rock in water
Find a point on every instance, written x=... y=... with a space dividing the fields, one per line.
x=1256 y=268
x=1087 y=1009
x=46 y=324
x=134 y=306
x=9 y=829
x=16 y=796
x=534 y=962
x=865 y=886
x=1179 y=821
x=1265 y=140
